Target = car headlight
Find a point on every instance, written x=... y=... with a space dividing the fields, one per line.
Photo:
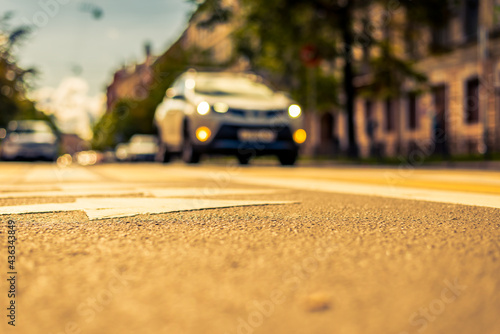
x=294 y=111
x=203 y=108
x=221 y=107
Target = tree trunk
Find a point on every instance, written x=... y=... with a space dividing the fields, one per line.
x=349 y=91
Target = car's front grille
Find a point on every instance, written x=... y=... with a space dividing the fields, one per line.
x=274 y=113
x=264 y=114
x=237 y=112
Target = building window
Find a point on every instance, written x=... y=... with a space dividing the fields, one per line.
x=368 y=109
x=439 y=95
x=472 y=101
x=439 y=135
x=411 y=38
x=440 y=39
x=327 y=125
x=471 y=19
x=412 y=111
x=389 y=116
x=370 y=123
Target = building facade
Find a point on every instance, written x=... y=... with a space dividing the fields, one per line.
x=131 y=81
x=213 y=42
x=459 y=113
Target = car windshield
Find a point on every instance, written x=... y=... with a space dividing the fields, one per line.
x=143 y=139
x=219 y=85
x=30 y=127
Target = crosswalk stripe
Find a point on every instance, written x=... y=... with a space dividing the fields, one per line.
x=101 y=208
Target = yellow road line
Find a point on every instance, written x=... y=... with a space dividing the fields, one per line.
x=393 y=179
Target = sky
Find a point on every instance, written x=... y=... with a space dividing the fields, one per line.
x=77 y=45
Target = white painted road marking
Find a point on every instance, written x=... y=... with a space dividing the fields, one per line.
x=144 y=191
x=153 y=200
x=204 y=191
x=71 y=193
x=101 y=208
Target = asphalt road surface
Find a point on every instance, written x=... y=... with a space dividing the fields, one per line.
x=218 y=248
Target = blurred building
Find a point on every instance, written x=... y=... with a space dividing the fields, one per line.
x=131 y=81
x=459 y=115
x=210 y=41
x=211 y=45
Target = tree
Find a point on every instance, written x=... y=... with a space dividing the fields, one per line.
x=275 y=31
x=14 y=81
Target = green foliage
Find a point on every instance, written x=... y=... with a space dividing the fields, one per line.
x=14 y=81
x=389 y=72
x=105 y=130
x=272 y=39
x=325 y=90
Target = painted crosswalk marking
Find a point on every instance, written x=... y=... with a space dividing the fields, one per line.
x=143 y=191
x=101 y=208
x=145 y=200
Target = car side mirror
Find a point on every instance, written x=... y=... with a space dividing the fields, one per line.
x=179 y=97
x=174 y=94
x=171 y=92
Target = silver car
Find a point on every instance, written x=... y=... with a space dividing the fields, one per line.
x=230 y=114
x=30 y=140
x=139 y=148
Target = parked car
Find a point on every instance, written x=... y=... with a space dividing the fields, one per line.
x=30 y=140
x=139 y=148
x=230 y=114
x=121 y=152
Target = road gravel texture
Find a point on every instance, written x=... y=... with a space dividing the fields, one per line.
x=330 y=263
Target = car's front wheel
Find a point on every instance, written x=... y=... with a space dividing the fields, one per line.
x=189 y=154
x=288 y=158
x=163 y=154
x=244 y=159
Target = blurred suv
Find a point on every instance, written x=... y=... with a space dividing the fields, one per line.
x=230 y=114
x=29 y=140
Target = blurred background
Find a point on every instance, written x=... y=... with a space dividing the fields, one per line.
x=378 y=80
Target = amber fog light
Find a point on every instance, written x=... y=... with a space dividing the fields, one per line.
x=299 y=136
x=203 y=133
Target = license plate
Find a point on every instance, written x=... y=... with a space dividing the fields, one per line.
x=263 y=136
